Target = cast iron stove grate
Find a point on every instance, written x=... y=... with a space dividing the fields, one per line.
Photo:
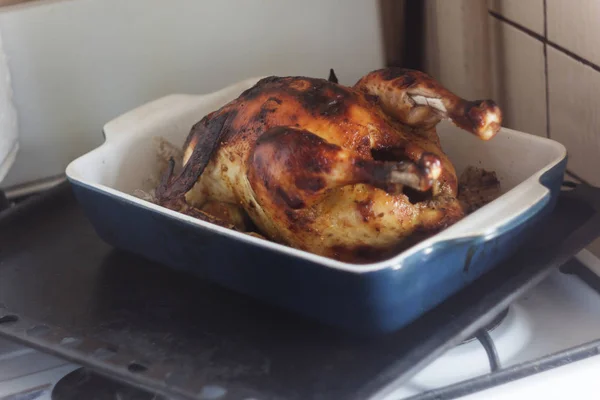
x=64 y=291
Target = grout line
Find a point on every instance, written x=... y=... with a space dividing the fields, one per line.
x=528 y=31
x=574 y=56
x=539 y=37
x=545 y=20
x=546 y=78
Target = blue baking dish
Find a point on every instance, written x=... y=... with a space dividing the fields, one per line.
x=368 y=299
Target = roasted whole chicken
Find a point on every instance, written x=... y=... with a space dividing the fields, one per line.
x=350 y=173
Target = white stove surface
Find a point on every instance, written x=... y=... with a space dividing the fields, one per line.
x=578 y=380
x=559 y=313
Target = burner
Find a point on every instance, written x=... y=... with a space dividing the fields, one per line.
x=497 y=343
x=489 y=327
x=84 y=384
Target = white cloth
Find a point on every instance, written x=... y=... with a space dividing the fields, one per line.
x=9 y=133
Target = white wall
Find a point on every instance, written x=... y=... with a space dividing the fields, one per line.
x=77 y=64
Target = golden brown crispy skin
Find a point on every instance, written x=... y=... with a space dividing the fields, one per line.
x=344 y=172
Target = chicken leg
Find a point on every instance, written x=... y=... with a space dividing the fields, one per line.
x=417 y=100
x=296 y=166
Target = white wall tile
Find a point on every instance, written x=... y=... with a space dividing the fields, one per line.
x=574 y=112
x=574 y=26
x=527 y=13
x=78 y=64
x=518 y=76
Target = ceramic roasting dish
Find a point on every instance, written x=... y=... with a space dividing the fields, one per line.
x=368 y=299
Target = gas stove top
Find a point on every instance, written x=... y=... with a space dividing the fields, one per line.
x=65 y=292
x=560 y=313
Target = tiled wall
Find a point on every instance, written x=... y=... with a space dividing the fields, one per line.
x=546 y=61
x=546 y=67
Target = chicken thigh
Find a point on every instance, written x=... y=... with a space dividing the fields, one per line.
x=350 y=173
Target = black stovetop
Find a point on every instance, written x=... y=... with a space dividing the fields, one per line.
x=65 y=291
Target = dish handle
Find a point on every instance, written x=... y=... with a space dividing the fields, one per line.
x=503 y=214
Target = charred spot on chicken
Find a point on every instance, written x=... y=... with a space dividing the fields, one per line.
x=350 y=173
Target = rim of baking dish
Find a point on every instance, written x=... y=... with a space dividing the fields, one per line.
x=531 y=196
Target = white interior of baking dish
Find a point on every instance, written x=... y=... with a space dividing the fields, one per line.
x=128 y=159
